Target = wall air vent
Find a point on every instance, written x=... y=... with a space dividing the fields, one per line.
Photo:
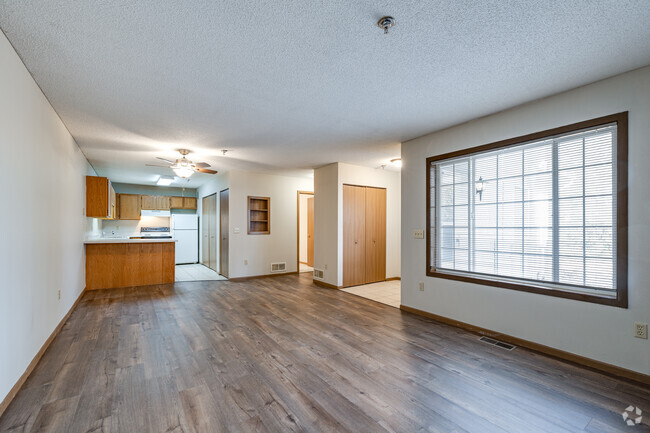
x=497 y=343
x=278 y=267
x=318 y=274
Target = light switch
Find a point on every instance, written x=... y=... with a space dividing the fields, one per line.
x=236 y=230
x=418 y=234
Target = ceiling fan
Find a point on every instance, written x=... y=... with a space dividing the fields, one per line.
x=183 y=167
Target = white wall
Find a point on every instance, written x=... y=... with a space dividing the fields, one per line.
x=326 y=222
x=302 y=255
x=328 y=216
x=262 y=250
x=42 y=223
x=595 y=331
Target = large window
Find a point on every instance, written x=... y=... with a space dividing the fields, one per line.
x=545 y=213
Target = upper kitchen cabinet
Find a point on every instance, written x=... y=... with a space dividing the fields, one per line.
x=163 y=203
x=100 y=198
x=183 y=202
x=148 y=202
x=128 y=206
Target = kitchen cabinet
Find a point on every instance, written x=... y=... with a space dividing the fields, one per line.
x=100 y=198
x=163 y=203
x=129 y=206
x=182 y=202
x=148 y=202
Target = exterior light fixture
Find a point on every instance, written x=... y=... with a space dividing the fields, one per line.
x=479 y=188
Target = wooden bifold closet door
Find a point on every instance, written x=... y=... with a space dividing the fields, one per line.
x=364 y=235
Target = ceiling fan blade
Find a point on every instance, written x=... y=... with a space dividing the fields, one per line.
x=157 y=165
x=205 y=170
x=202 y=165
x=165 y=159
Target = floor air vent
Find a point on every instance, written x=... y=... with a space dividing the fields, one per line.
x=318 y=273
x=278 y=267
x=497 y=343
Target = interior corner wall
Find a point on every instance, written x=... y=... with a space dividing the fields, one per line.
x=42 y=225
x=281 y=245
x=599 y=332
x=326 y=222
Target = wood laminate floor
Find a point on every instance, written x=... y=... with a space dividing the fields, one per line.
x=281 y=355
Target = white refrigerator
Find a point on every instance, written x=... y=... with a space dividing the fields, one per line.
x=185 y=229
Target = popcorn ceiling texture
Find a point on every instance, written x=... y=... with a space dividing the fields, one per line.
x=291 y=85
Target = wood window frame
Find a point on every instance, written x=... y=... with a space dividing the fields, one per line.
x=621 y=299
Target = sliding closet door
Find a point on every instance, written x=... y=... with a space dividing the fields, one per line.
x=375 y=235
x=213 y=232
x=205 y=231
x=354 y=235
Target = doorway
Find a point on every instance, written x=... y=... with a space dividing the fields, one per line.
x=305 y=231
x=224 y=231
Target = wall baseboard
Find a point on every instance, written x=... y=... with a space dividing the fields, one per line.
x=327 y=285
x=546 y=350
x=394 y=279
x=253 y=277
x=7 y=400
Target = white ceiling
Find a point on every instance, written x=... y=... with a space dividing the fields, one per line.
x=292 y=85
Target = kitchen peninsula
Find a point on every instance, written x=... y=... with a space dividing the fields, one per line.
x=113 y=263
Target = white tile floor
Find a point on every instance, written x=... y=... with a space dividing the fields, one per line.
x=196 y=272
x=387 y=292
x=305 y=268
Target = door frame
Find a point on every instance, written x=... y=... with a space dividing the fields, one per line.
x=298 y=225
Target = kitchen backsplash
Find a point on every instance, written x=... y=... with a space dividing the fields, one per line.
x=125 y=228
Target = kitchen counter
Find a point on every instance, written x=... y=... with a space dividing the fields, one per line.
x=114 y=262
x=125 y=241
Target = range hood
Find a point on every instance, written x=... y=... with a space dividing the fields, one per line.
x=156 y=213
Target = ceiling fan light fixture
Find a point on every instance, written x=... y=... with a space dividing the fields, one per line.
x=183 y=170
x=397 y=162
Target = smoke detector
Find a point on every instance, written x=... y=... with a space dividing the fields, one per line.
x=386 y=23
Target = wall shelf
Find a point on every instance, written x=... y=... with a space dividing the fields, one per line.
x=259 y=215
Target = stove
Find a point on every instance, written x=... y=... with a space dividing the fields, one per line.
x=154 y=233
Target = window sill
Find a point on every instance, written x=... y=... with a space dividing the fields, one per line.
x=577 y=295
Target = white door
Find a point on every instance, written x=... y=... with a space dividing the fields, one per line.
x=187 y=247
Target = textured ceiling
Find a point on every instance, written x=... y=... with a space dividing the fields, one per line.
x=291 y=85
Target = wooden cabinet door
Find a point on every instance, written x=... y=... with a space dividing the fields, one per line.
x=162 y=203
x=148 y=202
x=354 y=235
x=189 y=202
x=128 y=206
x=98 y=197
x=176 y=202
x=112 y=201
x=375 y=227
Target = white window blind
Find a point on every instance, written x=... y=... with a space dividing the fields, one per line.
x=546 y=213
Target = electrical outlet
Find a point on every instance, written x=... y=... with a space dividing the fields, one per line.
x=236 y=230
x=59 y=295
x=421 y=287
x=641 y=330
x=245 y=261
x=325 y=267
x=418 y=234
